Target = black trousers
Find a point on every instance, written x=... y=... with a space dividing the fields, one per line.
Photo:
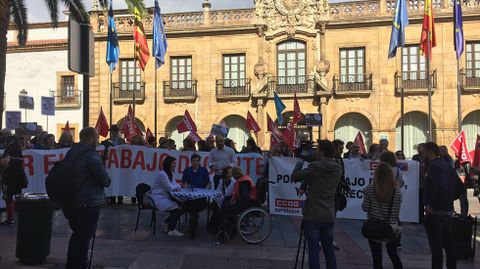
x=216 y=180
x=173 y=218
x=376 y=249
x=439 y=232
x=83 y=222
x=193 y=207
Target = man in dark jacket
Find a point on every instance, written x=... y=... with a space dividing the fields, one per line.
x=438 y=199
x=90 y=179
x=322 y=178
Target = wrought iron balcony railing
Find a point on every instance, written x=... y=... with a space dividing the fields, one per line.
x=180 y=90
x=230 y=89
x=470 y=80
x=63 y=101
x=414 y=81
x=291 y=84
x=123 y=92
x=358 y=84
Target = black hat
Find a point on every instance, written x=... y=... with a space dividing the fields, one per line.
x=114 y=128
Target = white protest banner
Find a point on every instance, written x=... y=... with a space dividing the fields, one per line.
x=128 y=166
x=284 y=199
x=48 y=106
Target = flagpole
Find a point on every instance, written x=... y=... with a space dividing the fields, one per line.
x=459 y=98
x=135 y=74
x=402 y=120
x=429 y=81
x=155 y=104
x=111 y=98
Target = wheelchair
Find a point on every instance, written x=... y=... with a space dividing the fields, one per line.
x=249 y=218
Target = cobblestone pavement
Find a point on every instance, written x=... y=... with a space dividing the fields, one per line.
x=118 y=246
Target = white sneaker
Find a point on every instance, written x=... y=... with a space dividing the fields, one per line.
x=175 y=233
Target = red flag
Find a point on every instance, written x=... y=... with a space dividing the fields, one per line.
x=476 y=153
x=102 y=124
x=360 y=142
x=130 y=127
x=428 y=41
x=272 y=127
x=251 y=124
x=297 y=114
x=141 y=47
x=290 y=136
x=459 y=146
x=187 y=124
x=194 y=136
x=148 y=134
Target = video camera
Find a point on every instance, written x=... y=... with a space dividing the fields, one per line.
x=306 y=151
x=106 y=144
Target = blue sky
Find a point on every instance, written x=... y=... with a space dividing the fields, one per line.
x=37 y=11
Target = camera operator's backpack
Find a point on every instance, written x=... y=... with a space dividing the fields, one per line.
x=59 y=182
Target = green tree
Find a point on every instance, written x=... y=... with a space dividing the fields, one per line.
x=14 y=13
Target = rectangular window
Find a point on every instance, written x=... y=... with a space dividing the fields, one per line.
x=352 y=65
x=129 y=74
x=234 y=70
x=413 y=64
x=472 y=55
x=181 y=72
x=68 y=86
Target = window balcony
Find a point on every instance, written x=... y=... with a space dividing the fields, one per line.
x=123 y=92
x=414 y=81
x=233 y=89
x=470 y=80
x=176 y=91
x=288 y=86
x=73 y=101
x=352 y=85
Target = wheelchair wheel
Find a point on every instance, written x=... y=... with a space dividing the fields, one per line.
x=254 y=225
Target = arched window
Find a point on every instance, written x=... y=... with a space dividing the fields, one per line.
x=291 y=65
x=416 y=132
x=471 y=126
x=172 y=133
x=139 y=124
x=348 y=126
x=237 y=131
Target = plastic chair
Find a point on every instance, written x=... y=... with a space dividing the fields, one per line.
x=140 y=192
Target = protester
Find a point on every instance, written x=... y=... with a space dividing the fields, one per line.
x=38 y=140
x=225 y=186
x=82 y=214
x=354 y=153
x=463 y=170
x=348 y=147
x=66 y=140
x=49 y=142
x=373 y=152
x=322 y=177
x=342 y=185
x=163 y=143
x=188 y=145
x=115 y=138
x=171 y=144
x=202 y=146
x=220 y=157
x=251 y=147
x=210 y=142
x=439 y=196
x=285 y=151
x=389 y=158
x=136 y=140
x=152 y=142
x=400 y=155
x=445 y=156
x=240 y=177
x=229 y=143
x=14 y=178
x=160 y=193
x=195 y=176
x=383 y=145
x=378 y=199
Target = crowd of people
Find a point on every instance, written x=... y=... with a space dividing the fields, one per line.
x=323 y=180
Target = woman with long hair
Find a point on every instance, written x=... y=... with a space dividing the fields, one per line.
x=378 y=197
x=160 y=193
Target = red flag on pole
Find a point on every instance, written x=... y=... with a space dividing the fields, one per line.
x=148 y=134
x=194 y=136
x=360 y=142
x=459 y=146
x=187 y=124
x=130 y=127
x=272 y=127
x=297 y=114
x=251 y=124
x=102 y=124
x=476 y=153
x=290 y=136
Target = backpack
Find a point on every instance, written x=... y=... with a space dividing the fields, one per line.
x=60 y=184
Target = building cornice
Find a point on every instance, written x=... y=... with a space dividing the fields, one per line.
x=38 y=45
x=40 y=25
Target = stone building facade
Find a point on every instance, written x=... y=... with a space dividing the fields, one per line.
x=333 y=56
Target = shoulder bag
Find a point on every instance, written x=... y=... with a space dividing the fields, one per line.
x=375 y=229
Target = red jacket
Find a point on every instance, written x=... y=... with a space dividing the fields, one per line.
x=253 y=188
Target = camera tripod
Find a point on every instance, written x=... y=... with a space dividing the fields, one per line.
x=301 y=236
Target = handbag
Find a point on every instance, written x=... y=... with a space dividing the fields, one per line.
x=380 y=230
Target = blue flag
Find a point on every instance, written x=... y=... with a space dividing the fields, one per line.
x=458 y=28
x=279 y=107
x=113 y=51
x=400 y=21
x=159 y=40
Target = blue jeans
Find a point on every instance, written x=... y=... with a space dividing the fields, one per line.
x=316 y=232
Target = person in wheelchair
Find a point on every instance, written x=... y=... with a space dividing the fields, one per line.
x=244 y=196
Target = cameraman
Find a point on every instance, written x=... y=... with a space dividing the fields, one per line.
x=321 y=177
